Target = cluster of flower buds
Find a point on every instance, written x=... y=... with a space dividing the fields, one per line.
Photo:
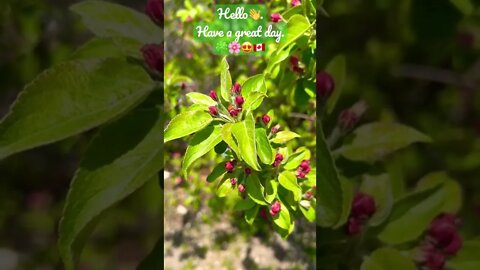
x=442 y=240
x=303 y=169
x=275 y=17
x=236 y=108
x=294 y=64
x=275 y=208
x=363 y=207
x=278 y=160
x=230 y=165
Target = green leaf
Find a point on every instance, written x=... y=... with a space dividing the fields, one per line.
x=387 y=259
x=199 y=98
x=251 y=214
x=187 y=123
x=329 y=191
x=217 y=172
x=288 y=180
x=292 y=11
x=265 y=151
x=106 y=20
x=302 y=153
x=374 y=141
x=271 y=188
x=69 y=99
x=255 y=189
x=380 y=189
x=347 y=195
x=254 y=84
x=284 y=136
x=307 y=210
x=337 y=68
x=228 y=138
x=464 y=6
x=224 y=188
x=467 y=258
x=412 y=215
x=297 y=25
x=244 y=133
x=108 y=48
x=225 y=80
x=253 y=101
x=203 y=141
x=244 y=204
x=282 y=219
x=453 y=199
x=113 y=167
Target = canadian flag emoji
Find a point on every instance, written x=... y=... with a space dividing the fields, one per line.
x=259 y=47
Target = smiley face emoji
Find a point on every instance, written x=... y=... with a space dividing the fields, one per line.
x=247 y=47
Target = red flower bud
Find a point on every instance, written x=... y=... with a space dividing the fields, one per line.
x=236 y=88
x=233 y=181
x=278 y=157
x=325 y=84
x=308 y=195
x=363 y=206
x=434 y=261
x=275 y=129
x=213 y=110
x=348 y=119
x=275 y=208
x=276 y=163
x=354 y=226
x=263 y=214
x=265 y=118
x=229 y=166
x=305 y=164
x=295 y=3
x=213 y=95
x=301 y=174
x=294 y=61
x=248 y=170
x=153 y=56
x=444 y=234
x=154 y=10
x=239 y=100
x=241 y=188
x=234 y=112
x=454 y=246
x=275 y=17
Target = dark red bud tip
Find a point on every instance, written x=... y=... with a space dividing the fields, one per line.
x=236 y=88
x=301 y=174
x=363 y=206
x=229 y=166
x=325 y=84
x=213 y=95
x=305 y=164
x=248 y=170
x=233 y=181
x=275 y=17
x=153 y=56
x=444 y=234
x=213 y=110
x=354 y=226
x=234 y=112
x=154 y=10
x=296 y=3
x=279 y=156
x=263 y=214
x=294 y=61
x=241 y=188
x=275 y=208
x=434 y=261
x=239 y=100
x=348 y=119
x=266 y=119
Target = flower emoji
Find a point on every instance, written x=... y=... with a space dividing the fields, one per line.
x=234 y=47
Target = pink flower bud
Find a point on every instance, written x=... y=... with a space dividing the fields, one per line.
x=275 y=208
x=348 y=119
x=305 y=164
x=279 y=157
x=265 y=118
x=325 y=84
x=275 y=129
x=241 y=188
x=213 y=110
x=301 y=174
x=308 y=195
x=239 y=100
x=354 y=226
x=233 y=181
x=248 y=170
x=275 y=17
x=154 y=10
x=236 y=88
x=295 y=3
x=363 y=206
x=213 y=95
x=234 y=112
x=229 y=166
x=153 y=56
x=276 y=163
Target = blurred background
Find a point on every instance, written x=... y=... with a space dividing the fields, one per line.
x=35 y=35
x=416 y=62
